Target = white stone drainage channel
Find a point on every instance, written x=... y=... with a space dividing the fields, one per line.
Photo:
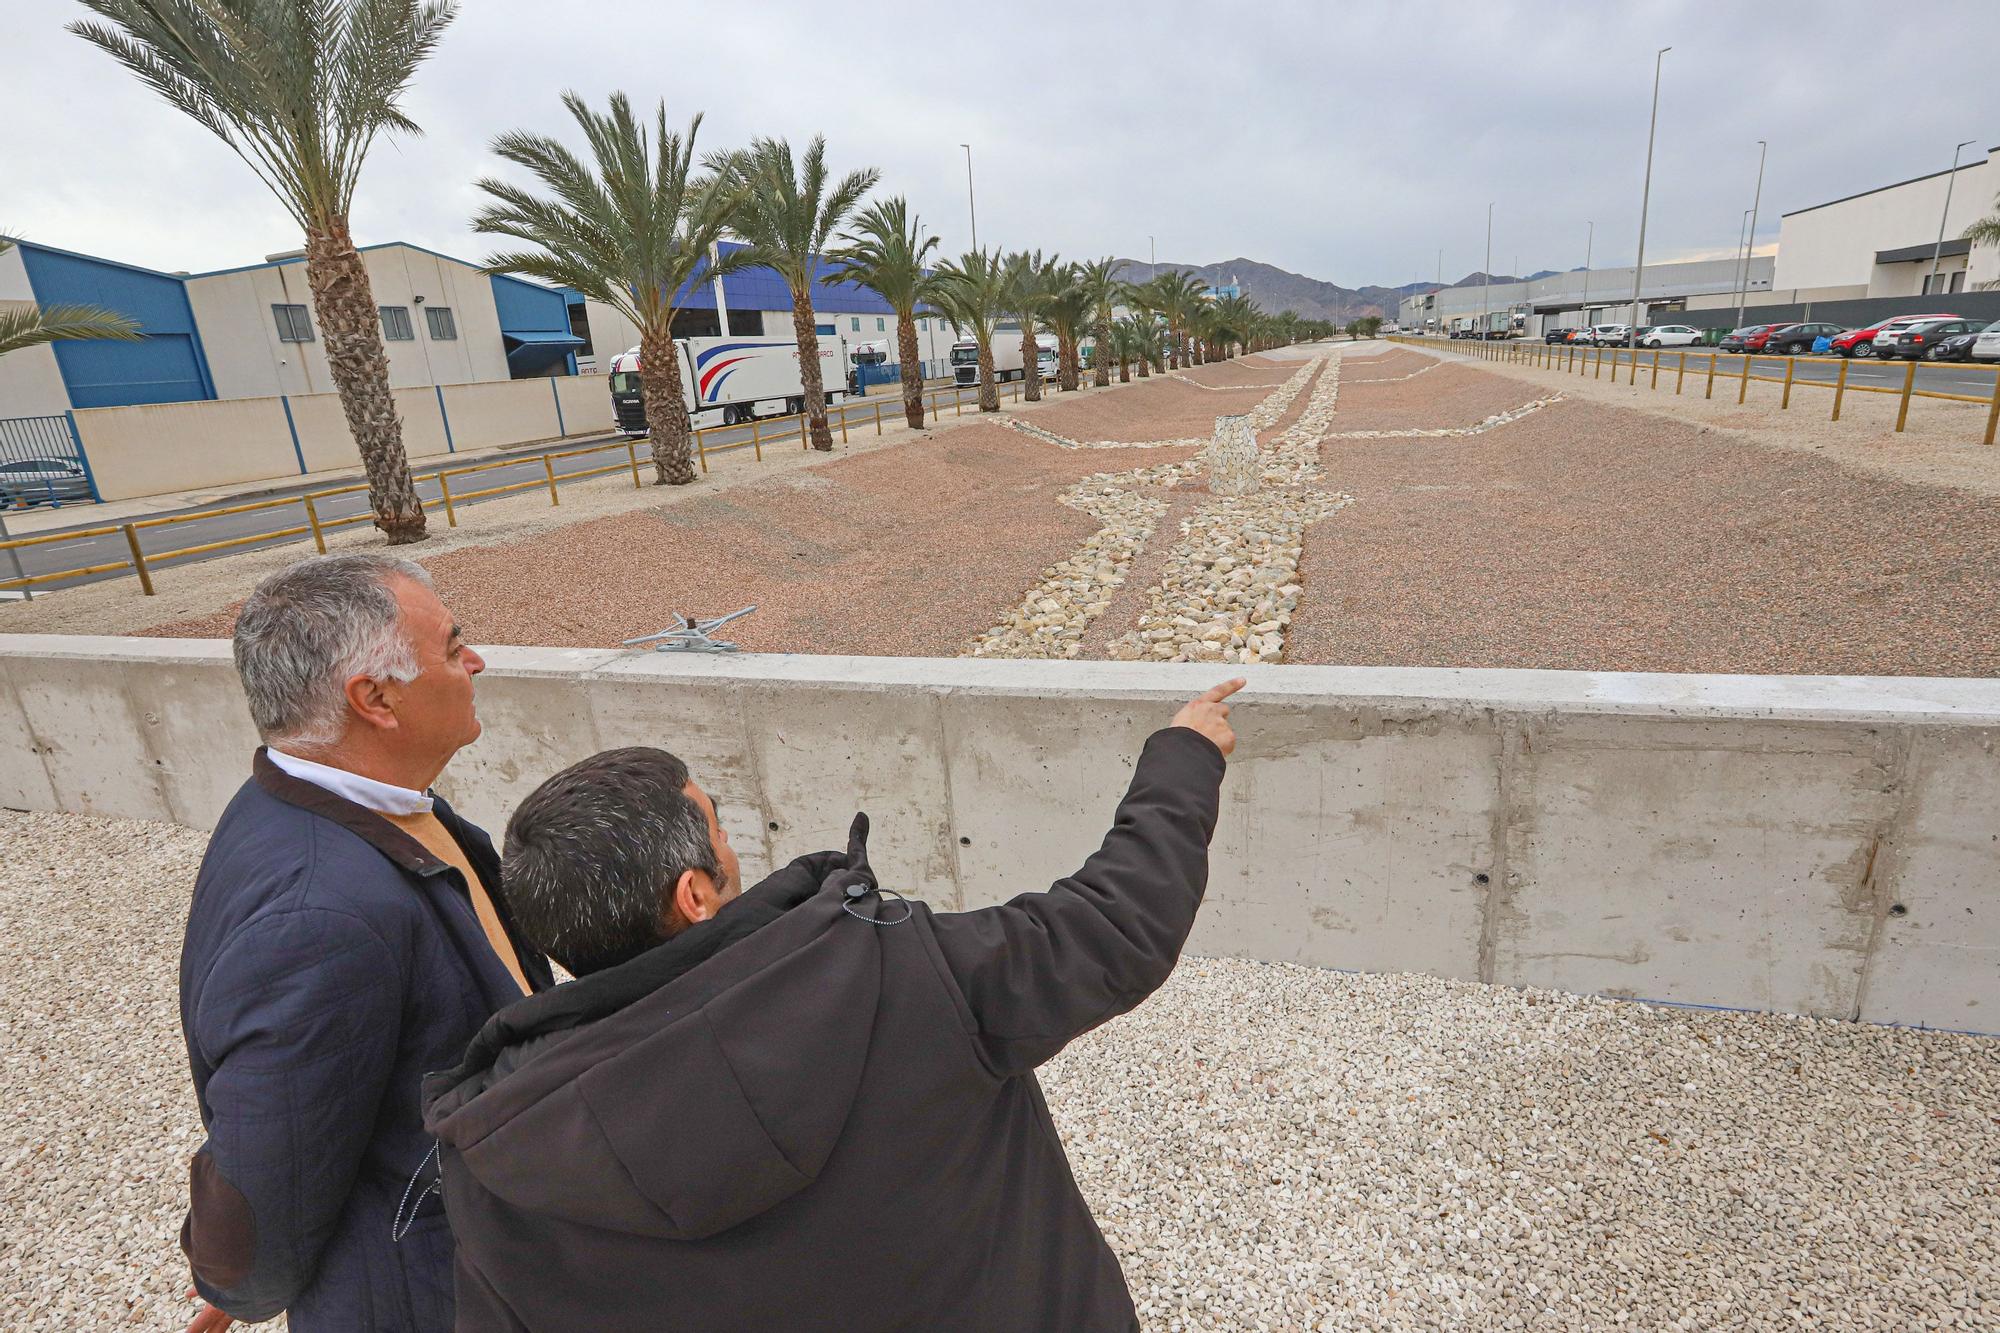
x=1230 y=587
x=1451 y=432
x=1225 y=388
x=1230 y=578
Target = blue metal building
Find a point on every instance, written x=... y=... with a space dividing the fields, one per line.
x=167 y=366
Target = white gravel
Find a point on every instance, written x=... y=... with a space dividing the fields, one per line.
x=1268 y=1147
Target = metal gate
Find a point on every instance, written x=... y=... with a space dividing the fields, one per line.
x=42 y=462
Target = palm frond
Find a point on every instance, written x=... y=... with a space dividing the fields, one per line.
x=25 y=326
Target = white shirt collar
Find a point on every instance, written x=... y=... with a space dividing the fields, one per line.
x=365 y=792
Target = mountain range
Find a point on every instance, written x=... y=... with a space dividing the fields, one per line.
x=1277 y=289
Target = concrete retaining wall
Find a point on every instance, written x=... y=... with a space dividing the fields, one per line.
x=1813 y=844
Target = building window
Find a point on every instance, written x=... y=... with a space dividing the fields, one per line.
x=824 y=329
x=924 y=325
x=396 y=324
x=294 y=323
x=879 y=326
x=1958 y=281
x=856 y=321
x=443 y=328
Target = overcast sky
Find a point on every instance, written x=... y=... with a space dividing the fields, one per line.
x=1345 y=141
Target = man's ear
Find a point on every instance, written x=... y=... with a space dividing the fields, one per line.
x=370 y=701
x=694 y=897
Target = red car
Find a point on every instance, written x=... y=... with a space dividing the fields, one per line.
x=1750 y=338
x=1861 y=342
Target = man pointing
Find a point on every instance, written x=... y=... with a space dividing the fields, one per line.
x=808 y=1105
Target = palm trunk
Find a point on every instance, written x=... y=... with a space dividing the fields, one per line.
x=1173 y=348
x=1101 y=374
x=1031 y=365
x=666 y=409
x=912 y=358
x=1066 y=363
x=1145 y=370
x=989 y=392
x=360 y=367
x=1124 y=368
x=809 y=376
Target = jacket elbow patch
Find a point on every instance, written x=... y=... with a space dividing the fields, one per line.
x=219 y=1236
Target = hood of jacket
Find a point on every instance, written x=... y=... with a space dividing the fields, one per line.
x=693 y=1088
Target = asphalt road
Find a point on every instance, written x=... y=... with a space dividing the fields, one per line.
x=83 y=552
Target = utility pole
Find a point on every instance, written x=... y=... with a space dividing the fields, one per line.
x=1949 y=181
x=1742 y=240
x=1645 y=200
x=971 y=205
x=1486 y=281
x=1750 y=237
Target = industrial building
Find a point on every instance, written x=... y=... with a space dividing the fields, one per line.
x=1882 y=242
x=252 y=332
x=1590 y=296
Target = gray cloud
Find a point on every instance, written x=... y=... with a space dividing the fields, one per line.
x=1345 y=141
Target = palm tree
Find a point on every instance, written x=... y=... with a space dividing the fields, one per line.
x=1128 y=341
x=1138 y=299
x=630 y=230
x=885 y=252
x=1986 y=231
x=1178 y=296
x=1031 y=284
x=25 y=326
x=1068 y=313
x=788 y=212
x=972 y=292
x=1100 y=283
x=299 y=92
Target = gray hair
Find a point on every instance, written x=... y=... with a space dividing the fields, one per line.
x=594 y=853
x=308 y=629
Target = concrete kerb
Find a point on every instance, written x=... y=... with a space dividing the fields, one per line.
x=1805 y=844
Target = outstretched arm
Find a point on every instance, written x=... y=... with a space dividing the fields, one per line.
x=1045 y=968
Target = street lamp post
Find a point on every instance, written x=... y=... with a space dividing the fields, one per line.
x=1589 y=241
x=971 y=205
x=1486 y=281
x=1645 y=201
x=1949 y=181
x=1750 y=237
x=1152 y=259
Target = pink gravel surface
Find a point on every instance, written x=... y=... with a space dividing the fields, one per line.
x=1446 y=397
x=905 y=551
x=1596 y=538
x=1395 y=365
x=1163 y=410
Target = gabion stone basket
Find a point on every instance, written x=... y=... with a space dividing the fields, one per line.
x=1234 y=467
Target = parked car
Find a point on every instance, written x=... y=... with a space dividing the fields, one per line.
x=1958 y=347
x=33 y=481
x=1671 y=335
x=1749 y=338
x=1885 y=338
x=1798 y=339
x=1554 y=336
x=1860 y=343
x=1986 y=347
x=1924 y=341
x=1610 y=335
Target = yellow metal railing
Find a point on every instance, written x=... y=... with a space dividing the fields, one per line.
x=1569 y=358
x=141 y=562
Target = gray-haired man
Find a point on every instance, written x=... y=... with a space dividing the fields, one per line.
x=347 y=934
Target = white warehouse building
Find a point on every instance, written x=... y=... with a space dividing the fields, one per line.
x=1881 y=242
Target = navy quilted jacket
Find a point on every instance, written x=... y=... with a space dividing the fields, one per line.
x=330 y=962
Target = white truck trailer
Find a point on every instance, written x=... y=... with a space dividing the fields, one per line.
x=729 y=380
x=1006 y=359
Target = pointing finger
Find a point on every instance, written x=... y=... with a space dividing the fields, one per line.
x=1217 y=693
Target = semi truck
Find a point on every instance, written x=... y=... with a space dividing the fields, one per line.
x=1006 y=359
x=725 y=381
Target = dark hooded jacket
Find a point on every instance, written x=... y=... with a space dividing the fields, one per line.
x=818 y=1109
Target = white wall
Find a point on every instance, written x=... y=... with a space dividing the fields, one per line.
x=31 y=384
x=246 y=358
x=1834 y=245
x=1821 y=845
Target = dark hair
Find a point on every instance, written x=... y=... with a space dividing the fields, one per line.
x=593 y=855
